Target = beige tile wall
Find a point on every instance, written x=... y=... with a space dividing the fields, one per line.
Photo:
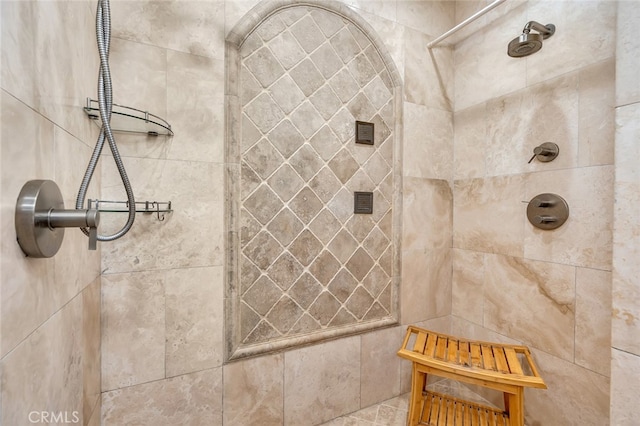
x=548 y=289
x=50 y=308
x=625 y=330
x=163 y=294
x=184 y=255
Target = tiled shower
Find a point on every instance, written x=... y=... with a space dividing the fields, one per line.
x=136 y=333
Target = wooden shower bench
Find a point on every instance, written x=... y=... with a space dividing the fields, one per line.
x=505 y=368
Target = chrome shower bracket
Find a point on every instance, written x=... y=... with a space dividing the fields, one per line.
x=40 y=219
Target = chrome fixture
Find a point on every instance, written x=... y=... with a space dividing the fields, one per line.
x=547 y=211
x=40 y=219
x=545 y=152
x=528 y=42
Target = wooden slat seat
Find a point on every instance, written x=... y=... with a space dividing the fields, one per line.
x=506 y=368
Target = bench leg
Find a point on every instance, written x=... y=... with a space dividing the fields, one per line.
x=514 y=405
x=418 y=383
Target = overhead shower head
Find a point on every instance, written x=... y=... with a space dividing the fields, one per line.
x=528 y=43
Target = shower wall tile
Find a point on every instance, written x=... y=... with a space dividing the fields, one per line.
x=163 y=24
x=91 y=345
x=430 y=17
x=483 y=70
x=473 y=330
x=234 y=10
x=389 y=31
x=593 y=320
x=625 y=370
x=489 y=214
x=195 y=107
x=194 y=312
x=468 y=285
x=575 y=37
x=380 y=365
x=627 y=61
x=586 y=238
x=254 y=391
x=547 y=320
x=427 y=214
x=428 y=133
x=425 y=291
x=428 y=74
x=569 y=385
x=197 y=195
x=471 y=142
x=193 y=399
x=597 y=114
x=133 y=329
x=626 y=290
x=140 y=77
x=58 y=386
x=519 y=122
x=322 y=381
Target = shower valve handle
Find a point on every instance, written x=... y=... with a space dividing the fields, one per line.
x=546 y=152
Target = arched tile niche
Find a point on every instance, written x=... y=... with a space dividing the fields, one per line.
x=301 y=265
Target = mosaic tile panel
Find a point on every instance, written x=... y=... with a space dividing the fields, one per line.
x=307 y=264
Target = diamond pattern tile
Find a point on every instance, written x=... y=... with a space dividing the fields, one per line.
x=285 y=47
x=263 y=204
x=308 y=34
x=285 y=271
x=263 y=250
x=286 y=138
x=264 y=67
x=285 y=182
x=306 y=162
x=307 y=263
x=285 y=227
x=264 y=112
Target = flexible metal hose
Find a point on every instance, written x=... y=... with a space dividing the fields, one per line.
x=105 y=100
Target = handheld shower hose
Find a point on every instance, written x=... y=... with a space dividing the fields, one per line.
x=105 y=100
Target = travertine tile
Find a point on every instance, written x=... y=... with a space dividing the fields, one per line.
x=195 y=107
x=433 y=17
x=470 y=142
x=33 y=382
x=91 y=343
x=574 y=37
x=155 y=24
x=194 y=312
x=627 y=44
x=428 y=74
x=468 y=285
x=547 y=319
x=254 y=391
x=597 y=114
x=625 y=289
x=427 y=214
x=593 y=320
x=380 y=365
x=133 y=329
x=151 y=243
x=321 y=382
x=426 y=285
x=585 y=239
x=428 y=138
x=625 y=369
x=586 y=392
x=481 y=61
x=194 y=399
x=518 y=122
x=489 y=214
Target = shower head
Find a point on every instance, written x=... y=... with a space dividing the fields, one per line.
x=528 y=43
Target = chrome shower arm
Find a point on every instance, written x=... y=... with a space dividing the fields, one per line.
x=545 y=30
